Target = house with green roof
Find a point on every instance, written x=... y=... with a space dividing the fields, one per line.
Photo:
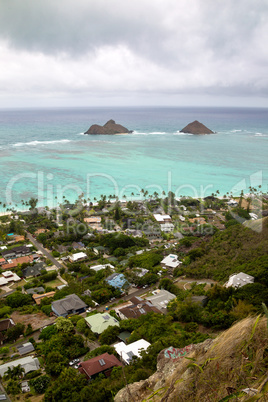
x=99 y=322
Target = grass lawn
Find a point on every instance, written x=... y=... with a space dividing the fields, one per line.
x=56 y=282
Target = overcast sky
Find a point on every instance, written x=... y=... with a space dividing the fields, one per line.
x=143 y=52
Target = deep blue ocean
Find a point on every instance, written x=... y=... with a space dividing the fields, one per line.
x=45 y=155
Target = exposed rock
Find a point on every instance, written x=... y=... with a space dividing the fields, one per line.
x=196 y=128
x=109 y=128
x=208 y=371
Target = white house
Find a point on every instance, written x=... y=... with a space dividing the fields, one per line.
x=162 y=218
x=97 y=268
x=239 y=280
x=126 y=352
x=77 y=257
x=166 y=227
x=29 y=363
x=171 y=262
x=161 y=298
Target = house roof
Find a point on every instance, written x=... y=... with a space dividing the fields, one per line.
x=37 y=298
x=67 y=304
x=239 y=280
x=162 y=218
x=99 y=322
x=16 y=261
x=98 y=364
x=161 y=298
x=99 y=267
x=32 y=291
x=33 y=270
x=6 y=324
x=29 y=363
x=25 y=348
x=137 y=308
x=171 y=261
x=133 y=349
x=78 y=256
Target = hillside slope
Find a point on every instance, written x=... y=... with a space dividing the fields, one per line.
x=235 y=361
x=236 y=249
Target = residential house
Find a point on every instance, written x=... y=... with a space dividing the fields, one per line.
x=16 y=252
x=126 y=352
x=8 y=278
x=137 y=307
x=37 y=298
x=37 y=290
x=78 y=245
x=34 y=270
x=239 y=280
x=28 y=363
x=162 y=218
x=140 y=272
x=4 y=326
x=20 y=260
x=170 y=262
x=100 y=250
x=99 y=322
x=2 y=261
x=160 y=299
x=97 y=268
x=118 y=281
x=167 y=227
x=78 y=257
x=100 y=364
x=25 y=348
x=71 y=304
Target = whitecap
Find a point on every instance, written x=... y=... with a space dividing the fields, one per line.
x=236 y=131
x=35 y=143
x=260 y=135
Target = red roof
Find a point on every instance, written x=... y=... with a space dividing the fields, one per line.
x=98 y=364
x=16 y=261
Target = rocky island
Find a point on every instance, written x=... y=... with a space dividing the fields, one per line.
x=196 y=128
x=109 y=128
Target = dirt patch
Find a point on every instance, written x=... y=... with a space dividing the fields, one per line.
x=37 y=320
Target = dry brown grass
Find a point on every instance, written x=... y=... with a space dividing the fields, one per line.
x=238 y=359
x=235 y=360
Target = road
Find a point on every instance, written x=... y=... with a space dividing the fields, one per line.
x=43 y=250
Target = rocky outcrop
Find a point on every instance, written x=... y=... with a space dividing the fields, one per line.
x=196 y=128
x=109 y=128
x=233 y=363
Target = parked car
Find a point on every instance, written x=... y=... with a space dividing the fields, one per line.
x=74 y=361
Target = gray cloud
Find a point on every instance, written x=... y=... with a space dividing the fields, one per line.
x=154 y=46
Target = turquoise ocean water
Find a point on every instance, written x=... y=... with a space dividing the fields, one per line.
x=45 y=155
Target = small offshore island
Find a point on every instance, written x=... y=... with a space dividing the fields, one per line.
x=196 y=128
x=108 y=128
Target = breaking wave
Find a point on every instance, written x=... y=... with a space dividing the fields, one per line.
x=36 y=143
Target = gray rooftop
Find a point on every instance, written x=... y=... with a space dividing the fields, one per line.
x=68 y=304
